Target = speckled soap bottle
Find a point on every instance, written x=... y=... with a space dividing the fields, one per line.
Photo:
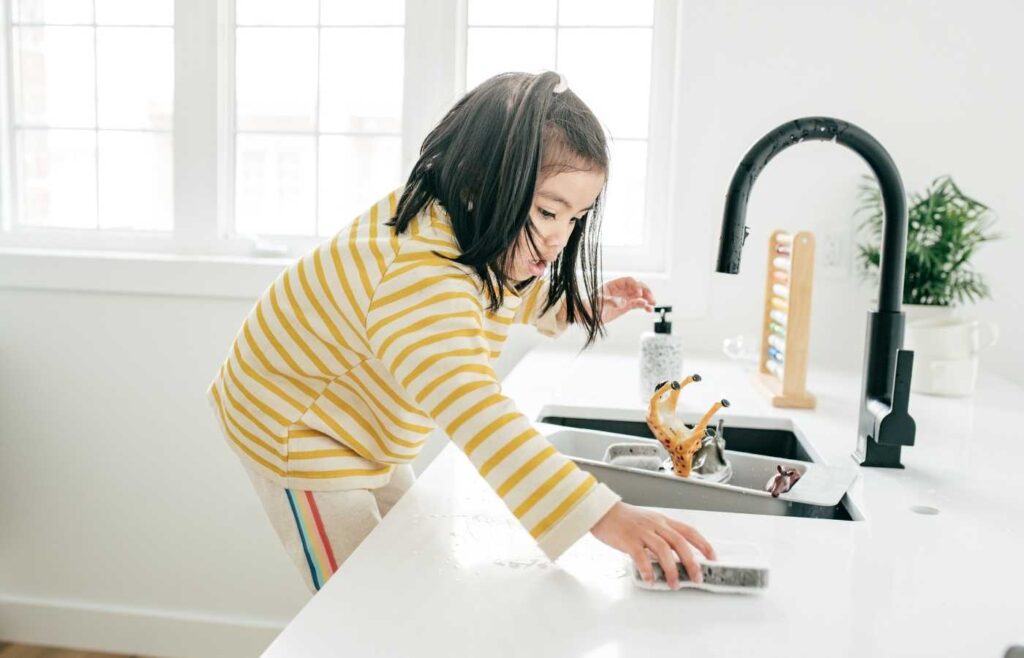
x=661 y=355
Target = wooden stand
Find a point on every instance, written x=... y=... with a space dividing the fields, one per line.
x=785 y=330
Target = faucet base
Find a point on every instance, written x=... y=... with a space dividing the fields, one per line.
x=871 y=453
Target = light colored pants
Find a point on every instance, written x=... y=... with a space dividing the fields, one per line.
x=320 y=529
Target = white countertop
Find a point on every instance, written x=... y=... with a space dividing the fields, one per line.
x=449 y=572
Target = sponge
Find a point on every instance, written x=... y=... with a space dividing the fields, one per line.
x=740 y=567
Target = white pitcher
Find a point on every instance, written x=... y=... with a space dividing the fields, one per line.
x=946 y=353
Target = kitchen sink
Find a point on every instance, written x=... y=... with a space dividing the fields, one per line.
x=754 y=445
x=770 y=437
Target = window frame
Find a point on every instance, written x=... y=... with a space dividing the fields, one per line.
x=648 y=256
x=203 y=152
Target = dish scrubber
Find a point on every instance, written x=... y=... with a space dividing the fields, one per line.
x=740 y=568
x=648 y=457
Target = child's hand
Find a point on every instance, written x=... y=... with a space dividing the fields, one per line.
x=624 y=294
x=632 y=530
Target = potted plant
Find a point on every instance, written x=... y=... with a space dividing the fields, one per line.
x=945 y=229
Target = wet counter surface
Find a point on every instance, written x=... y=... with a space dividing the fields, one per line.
x=449 y=572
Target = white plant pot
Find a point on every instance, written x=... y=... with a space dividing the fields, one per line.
x=918 y=312
x=946 y=344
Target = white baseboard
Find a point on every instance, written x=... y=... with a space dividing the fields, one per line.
x=88 y=626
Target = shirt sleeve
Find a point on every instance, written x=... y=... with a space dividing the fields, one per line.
x=426 y=325
x=529 y=311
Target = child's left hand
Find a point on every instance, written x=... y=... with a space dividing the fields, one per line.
x=621 y=295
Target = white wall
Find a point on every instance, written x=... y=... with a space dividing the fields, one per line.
x=936 y=82
x=119 y=496
x=128 y=525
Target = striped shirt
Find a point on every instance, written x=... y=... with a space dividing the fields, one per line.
x=355 y=353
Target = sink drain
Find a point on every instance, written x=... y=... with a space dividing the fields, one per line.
x=927 y=510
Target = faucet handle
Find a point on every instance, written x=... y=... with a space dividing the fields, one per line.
x=897 y=427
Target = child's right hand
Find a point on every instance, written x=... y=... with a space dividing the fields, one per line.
x=632 y=530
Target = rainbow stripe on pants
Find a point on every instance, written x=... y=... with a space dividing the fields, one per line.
x=315 y=544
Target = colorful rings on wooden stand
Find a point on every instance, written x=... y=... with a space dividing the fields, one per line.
x=786 y=327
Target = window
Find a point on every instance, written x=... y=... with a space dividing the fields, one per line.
x=258 y=127
x=318 y=112
x=605 y=50
x=92 y=96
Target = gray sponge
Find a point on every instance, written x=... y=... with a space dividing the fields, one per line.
x=740 y=567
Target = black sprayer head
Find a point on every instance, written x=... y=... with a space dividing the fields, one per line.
x=675 y=385
x=657 y=387
x=696 y=377
x=725 y=403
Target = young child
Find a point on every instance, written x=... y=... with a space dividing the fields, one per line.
x=357 y=351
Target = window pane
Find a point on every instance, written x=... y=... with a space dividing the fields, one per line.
x=52 y=11
x=274 y=184
x=363 y=97
x=275 y=12
x=624 y=212
x=276 y=79
x=57 y=178
x=55 y=76
x=136 y=77
x=503 y=12
x=347 y=12
x=605 y=12
x=496 y=50
x=355 y=172
x=135 y=12
x=135 y=180
x=611 y=71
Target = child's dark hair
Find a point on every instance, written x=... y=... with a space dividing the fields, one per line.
x=481 y=163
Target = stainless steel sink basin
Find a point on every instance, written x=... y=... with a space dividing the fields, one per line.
x=760 y=438
x=771 y=437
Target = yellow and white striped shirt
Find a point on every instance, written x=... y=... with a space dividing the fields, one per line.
x=361 y=348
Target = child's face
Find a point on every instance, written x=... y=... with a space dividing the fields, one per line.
x=559 y=201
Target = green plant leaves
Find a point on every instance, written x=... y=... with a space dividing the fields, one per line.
x=945 y=228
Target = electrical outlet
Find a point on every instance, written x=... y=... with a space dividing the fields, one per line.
x=835 y=261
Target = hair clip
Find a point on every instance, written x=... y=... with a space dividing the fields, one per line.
x=562 y=85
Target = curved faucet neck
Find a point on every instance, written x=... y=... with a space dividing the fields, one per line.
x=894 y=233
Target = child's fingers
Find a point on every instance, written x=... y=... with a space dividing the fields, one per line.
x=634 y=287
x=647 y=294
x=694 y=537
x=640 y=289
x=666 y=558
x=620 y=305
x=640 y=303
x=626 y=285
x=685 y=553
x=643 y=564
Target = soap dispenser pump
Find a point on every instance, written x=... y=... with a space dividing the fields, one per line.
x=661 y=355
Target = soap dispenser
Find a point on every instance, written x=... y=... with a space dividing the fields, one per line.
x=661 y=355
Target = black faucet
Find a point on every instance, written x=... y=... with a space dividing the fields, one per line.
x=885 y=424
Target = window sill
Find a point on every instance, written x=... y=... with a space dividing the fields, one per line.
x=161 y=274
x=231 y=277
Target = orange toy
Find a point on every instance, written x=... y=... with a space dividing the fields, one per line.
x=680 y=441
